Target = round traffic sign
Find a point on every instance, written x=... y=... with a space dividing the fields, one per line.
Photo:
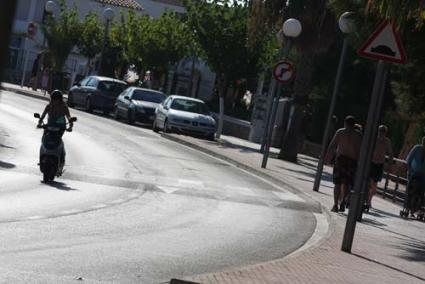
x=283 y=72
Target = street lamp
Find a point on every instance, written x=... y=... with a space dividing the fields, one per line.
x=291 y=28
x=347 y=26
x=50 y=7
x=108 y=15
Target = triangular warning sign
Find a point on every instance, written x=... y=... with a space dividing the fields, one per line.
x=384 y=44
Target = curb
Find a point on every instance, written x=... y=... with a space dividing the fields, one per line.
x=25 y=93
x=316 y=206
x=314 y=241
x=28 y=93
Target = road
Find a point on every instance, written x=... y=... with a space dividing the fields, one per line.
x=132 y=206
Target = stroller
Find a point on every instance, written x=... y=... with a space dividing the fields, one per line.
x=414 y=201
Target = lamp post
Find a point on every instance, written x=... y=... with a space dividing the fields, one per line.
x=108 y=15
x=346 y=25
x=49 y=8
x=291 y=29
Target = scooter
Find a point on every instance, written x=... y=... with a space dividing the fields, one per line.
x=52 y=150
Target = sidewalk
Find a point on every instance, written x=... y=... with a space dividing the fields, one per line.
x=386 y=248
x=39 y=94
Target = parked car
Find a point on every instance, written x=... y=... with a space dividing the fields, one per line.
x=184 y=115
x=138 y=104
x=95 y=92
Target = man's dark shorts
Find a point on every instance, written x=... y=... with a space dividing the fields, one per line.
x=344 y=170
x=376 y=172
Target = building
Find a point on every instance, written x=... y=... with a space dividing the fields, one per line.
x=23 y=51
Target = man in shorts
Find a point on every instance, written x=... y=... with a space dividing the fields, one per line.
x=346 y=143
x=382 y=148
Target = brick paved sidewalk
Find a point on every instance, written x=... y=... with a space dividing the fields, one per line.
x=386 y=248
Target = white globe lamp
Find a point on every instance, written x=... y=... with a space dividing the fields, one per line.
x=49 y=7
x=292 y=28
x=108 y=14
x=346 y=23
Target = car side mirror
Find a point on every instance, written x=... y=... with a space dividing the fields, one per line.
x=36 y=115
x=166 y=107
x=73 y=119
x=127 y=98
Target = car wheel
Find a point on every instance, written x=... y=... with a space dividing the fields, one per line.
x=166 y=127
x=130 y=117
x=89 y=106
x=70 y=101
x=116 y=115
x=154 y=127
x=211 y=137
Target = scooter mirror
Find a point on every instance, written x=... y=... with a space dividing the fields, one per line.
x=36 y=115
x=73 y=119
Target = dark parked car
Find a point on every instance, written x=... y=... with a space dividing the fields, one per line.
x=137 y=104
x=95 y=92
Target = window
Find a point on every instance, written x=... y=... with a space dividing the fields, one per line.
x=141 y=95
x=112 y=87
x=189 y=106
x=92 y=83
x=85 y=81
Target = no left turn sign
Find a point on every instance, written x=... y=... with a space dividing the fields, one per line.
x=283 y=72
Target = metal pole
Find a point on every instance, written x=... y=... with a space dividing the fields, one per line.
x=366 y=181
x=272 y=89
x=270 y=127
x=105 y=38
x=25 y=58
x=270 y=98
x=270 y=124
x=364 y=161
x=331 y=112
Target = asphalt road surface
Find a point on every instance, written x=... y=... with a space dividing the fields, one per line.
x=132 y=206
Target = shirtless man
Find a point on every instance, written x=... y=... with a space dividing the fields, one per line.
x=346 y=142
x=382 y=148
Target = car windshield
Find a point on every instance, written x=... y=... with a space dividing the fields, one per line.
x=112 y=87
x=147 y=96
x=190 y=106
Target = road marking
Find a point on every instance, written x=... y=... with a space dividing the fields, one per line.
x=35 y=217
x=168 y=189
x=188 y=182
x=117 y=201
x=69 y=212
x=288 y=196
x=99 y=206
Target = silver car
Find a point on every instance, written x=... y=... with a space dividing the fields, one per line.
x=184 y=115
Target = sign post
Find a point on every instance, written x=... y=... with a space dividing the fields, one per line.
x=283 y=72
x=383 y=45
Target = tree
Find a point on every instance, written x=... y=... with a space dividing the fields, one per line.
x=220 y=28
x=62 y=34
x=167 y=41
x=91 y=37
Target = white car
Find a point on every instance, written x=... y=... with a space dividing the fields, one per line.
x=186 y=116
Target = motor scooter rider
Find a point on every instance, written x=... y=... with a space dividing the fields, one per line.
x=57 y=111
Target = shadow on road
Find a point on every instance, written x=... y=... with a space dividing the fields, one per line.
x=6 y=165
x=389 y=266
x=415 y=250
x=60 y=186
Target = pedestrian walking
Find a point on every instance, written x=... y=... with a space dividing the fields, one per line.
x=346 y=143
x=416 y=178
x=382 y=149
